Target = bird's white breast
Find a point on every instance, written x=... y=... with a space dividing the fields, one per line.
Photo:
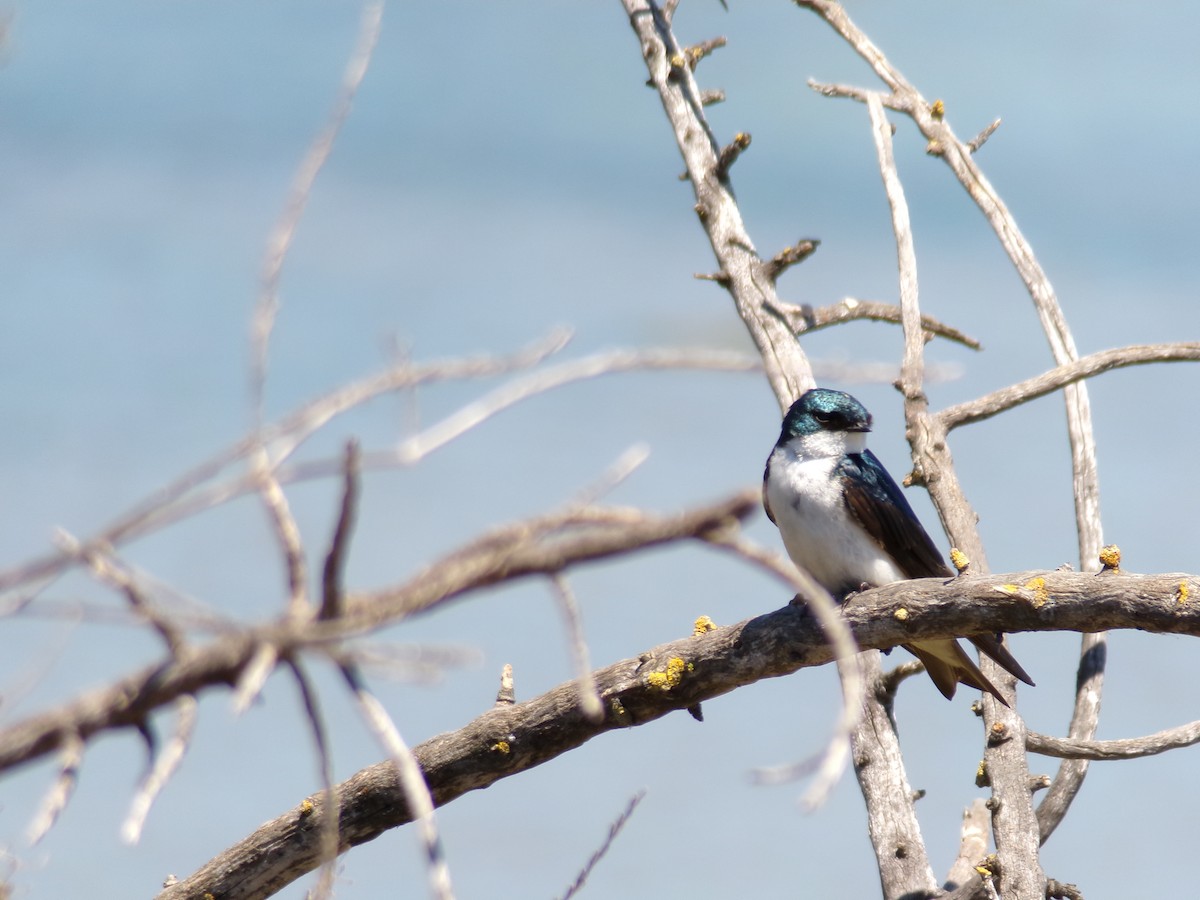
x=818 y=530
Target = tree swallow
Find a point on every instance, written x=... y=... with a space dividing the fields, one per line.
x=846 y=522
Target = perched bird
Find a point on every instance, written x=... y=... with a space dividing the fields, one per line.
x=846 y=522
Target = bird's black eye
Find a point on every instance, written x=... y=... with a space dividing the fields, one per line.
x=825 y=418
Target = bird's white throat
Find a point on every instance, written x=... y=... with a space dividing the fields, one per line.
x=826 y=444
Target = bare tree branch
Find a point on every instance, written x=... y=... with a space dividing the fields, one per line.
x=832 y=762
x=511 y=738
x=411 y=780
x=165 y=762
x=1129 y=748
x=333 y=572
x=803 y=319
x=589 y=700
x=285 y=229
x=60 y=793
x=746 y=275
x=1040 y=385
x=296 y=427
x=285 y=529
x=328 y=837
x=536 y=547
x=972 y=847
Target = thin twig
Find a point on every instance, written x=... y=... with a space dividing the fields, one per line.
x=285 y=229
x=883 y=781
x=912 y=370
x=831 y=763
x=803 y=319
x=333 y=577
x=56 y=799
x=286 y=530
x=613 y=830
x=622 y=467
x=412 y=781
x=164 y=505
x=105 y=566
x=166 y=762
x=254 y=675
x=589 y=700
x=329 y=830
x=535 y=547
x=507 y=695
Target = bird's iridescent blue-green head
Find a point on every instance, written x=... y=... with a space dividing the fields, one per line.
x=822 y=409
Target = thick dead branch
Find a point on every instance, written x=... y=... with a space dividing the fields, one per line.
x=900 y=854
x=511 y=738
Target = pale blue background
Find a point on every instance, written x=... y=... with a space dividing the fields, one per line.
x=505 y=171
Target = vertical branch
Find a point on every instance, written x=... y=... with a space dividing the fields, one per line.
x=1013 y=818
x=329 y=825
x=912 y=371
x=903 y=863
x=747 y=277
x=902 y=859
x=333 y=572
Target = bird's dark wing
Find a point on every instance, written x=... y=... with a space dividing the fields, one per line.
x=878 y=504
x=766 y=504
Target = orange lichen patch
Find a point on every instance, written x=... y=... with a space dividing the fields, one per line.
x=703 y=625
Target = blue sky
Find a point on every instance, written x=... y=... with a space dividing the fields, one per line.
x=506 y=171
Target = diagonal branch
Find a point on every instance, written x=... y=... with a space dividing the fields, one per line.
x=1040 y=385
x=510 y=738
x=539 y=546
x=744 y=273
